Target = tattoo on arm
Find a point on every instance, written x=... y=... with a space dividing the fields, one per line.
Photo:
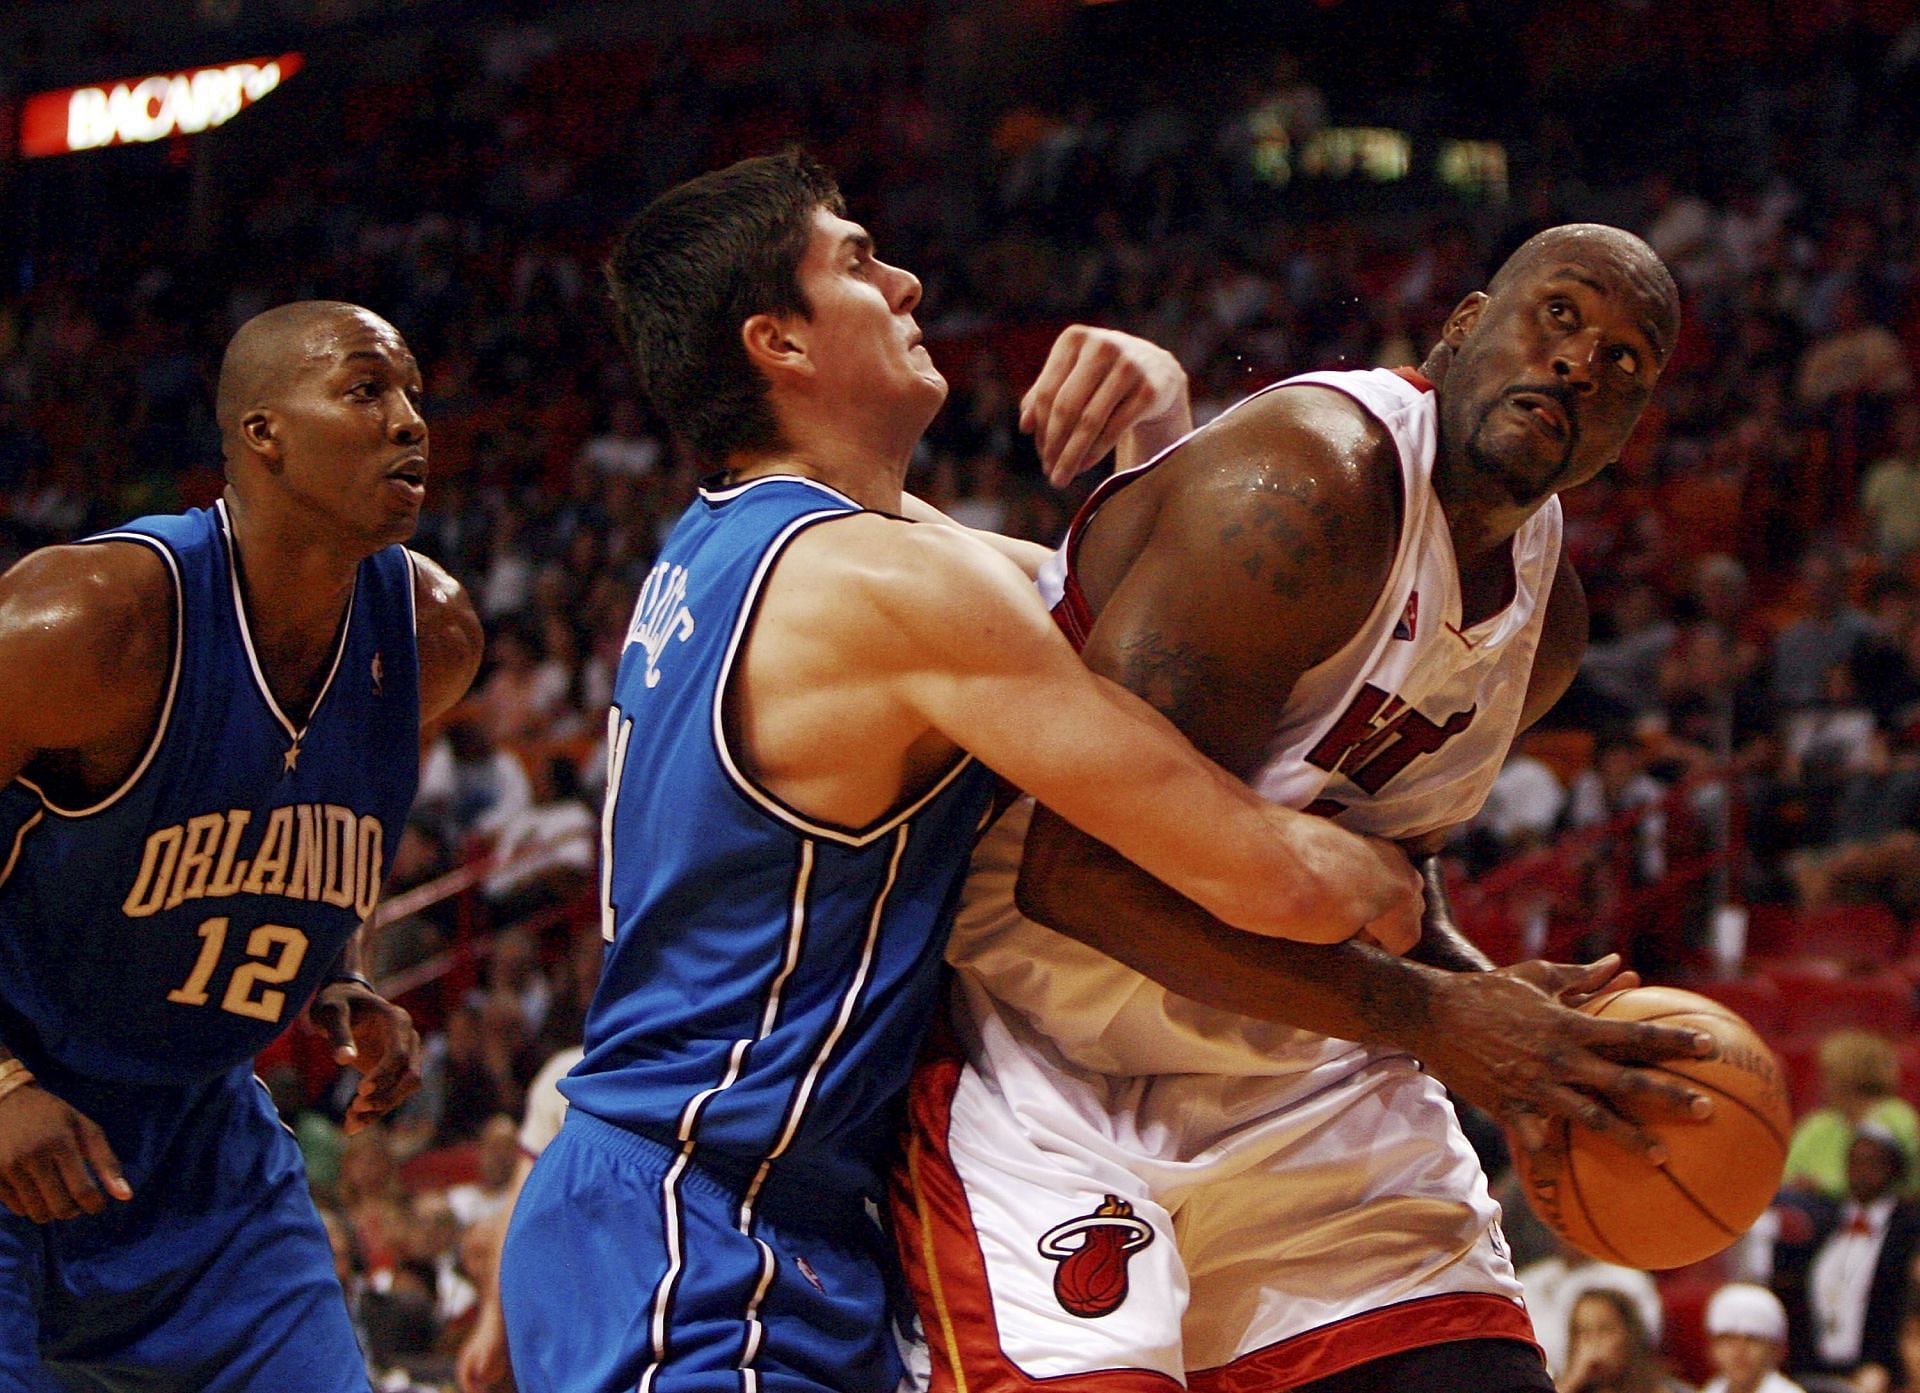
x=1173 y=675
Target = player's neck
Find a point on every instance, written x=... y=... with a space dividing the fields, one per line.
x=872 y=474
x=295 y=583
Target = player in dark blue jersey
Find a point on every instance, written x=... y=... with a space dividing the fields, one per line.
x=209 y=730
x=811 y=693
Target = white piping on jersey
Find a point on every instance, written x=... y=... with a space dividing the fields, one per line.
x=727 y=495
x=173 y=686
x=765 y=801
x=246 y=637
x=19 y=838
x=804 y=1095
x=618 y=734
x=690 y=1115
x=413 y=595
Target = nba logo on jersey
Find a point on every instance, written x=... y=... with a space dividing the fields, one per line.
x=1409 y=619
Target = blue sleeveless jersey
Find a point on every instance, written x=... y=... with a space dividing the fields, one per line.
x=770 y=977
x=168 y=932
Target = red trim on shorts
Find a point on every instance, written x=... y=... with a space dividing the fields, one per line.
x=941 y=1253
x=1332 y=1349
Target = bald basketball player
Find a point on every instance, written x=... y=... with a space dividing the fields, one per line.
x=1195 y=1158
x=209 y=733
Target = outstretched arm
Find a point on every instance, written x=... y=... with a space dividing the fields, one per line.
x=904 y=635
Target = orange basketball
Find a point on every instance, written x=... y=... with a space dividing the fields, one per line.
x=1721 y=1174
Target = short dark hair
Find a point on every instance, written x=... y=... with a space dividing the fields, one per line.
x=696 y=264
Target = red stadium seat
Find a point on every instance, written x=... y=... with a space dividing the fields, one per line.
x=1800 y=1055
x=1684 y=1293
x=1853 y=935
x=1757 y=1000
x=1909 y=1051
x=1818 y=1001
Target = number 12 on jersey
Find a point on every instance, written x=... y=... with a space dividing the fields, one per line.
x=277 y=951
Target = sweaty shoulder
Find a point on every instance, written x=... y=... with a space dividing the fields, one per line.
x=86 y=643
x=448 y=632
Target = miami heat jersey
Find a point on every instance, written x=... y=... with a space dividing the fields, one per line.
x=769 y=975
x=168 y=931
x=1400 y=733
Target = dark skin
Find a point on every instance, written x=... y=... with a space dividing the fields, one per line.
x=1255 y=550
x=326 y=454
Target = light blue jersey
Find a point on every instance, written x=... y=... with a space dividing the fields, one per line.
x=153 y=942
x=169 y=931
x=770 y=976
x=702 y=1222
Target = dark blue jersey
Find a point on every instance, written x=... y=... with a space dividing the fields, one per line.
x=770 y=976
x=169 y=931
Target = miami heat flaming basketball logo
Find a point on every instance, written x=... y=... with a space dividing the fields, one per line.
x=1091 y=1279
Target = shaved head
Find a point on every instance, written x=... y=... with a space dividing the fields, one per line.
x=1641 y=271
x=273 y=346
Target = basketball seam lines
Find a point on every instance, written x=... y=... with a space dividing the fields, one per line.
x=1738 y=1102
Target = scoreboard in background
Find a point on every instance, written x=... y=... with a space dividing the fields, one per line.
x=144 y=109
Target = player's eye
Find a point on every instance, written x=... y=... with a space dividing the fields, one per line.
x=1626 y=360
x=1560 y=311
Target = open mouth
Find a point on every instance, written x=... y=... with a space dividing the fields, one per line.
x=1545 y=412
x=410 y=477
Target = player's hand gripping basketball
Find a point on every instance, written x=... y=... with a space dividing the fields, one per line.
x=1510 y=1042
x=55 y=1162
x=1097 y=385
x=371 y=1034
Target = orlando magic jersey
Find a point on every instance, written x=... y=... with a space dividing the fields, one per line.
x=168 y=931
x=770 y=975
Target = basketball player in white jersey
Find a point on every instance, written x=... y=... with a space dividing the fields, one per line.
x=1161 y=1153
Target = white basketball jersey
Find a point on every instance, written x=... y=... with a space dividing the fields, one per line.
x=1398 y=734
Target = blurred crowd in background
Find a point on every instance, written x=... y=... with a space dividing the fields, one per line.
x=1751 y=700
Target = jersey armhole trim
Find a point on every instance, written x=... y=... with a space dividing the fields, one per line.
x=413 y=598
x=173 y=685
x=763 y=799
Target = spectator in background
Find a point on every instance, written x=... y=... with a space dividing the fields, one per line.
x=1610 y=1350
x=1554 y=1286
x=1890 y=493
x=499 y=1150
x=482 y=1365
x=465 y=777
x=1825 y=637
x=1747 y=1338
x=1621 y=675
x=482 y=1060
x=1864 y=1249
x=1905 y=1376
x=1854 y=358
x=524 y=692
x=1617 y=782
x=1524 y=806
x=1859 y=1076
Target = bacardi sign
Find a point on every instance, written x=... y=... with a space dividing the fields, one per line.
x=143 y=109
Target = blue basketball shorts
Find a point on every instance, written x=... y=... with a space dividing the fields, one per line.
x=215 y=1277
x=628 y=1268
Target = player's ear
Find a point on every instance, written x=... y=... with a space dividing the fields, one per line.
x=1465 y=315
x=260 y=432
x=776 y=345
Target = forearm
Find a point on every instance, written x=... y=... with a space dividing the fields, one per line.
x=1441 y=943
x=352 y=959
x=1351 y=990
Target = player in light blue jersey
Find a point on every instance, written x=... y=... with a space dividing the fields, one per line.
x=812 y=692
x=209 y=729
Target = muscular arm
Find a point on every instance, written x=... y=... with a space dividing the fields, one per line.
x=1028 y=556
x=449 y=636
x=906 y=642
x=86 y=649
x=1246 y=579
x=1270 y=544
